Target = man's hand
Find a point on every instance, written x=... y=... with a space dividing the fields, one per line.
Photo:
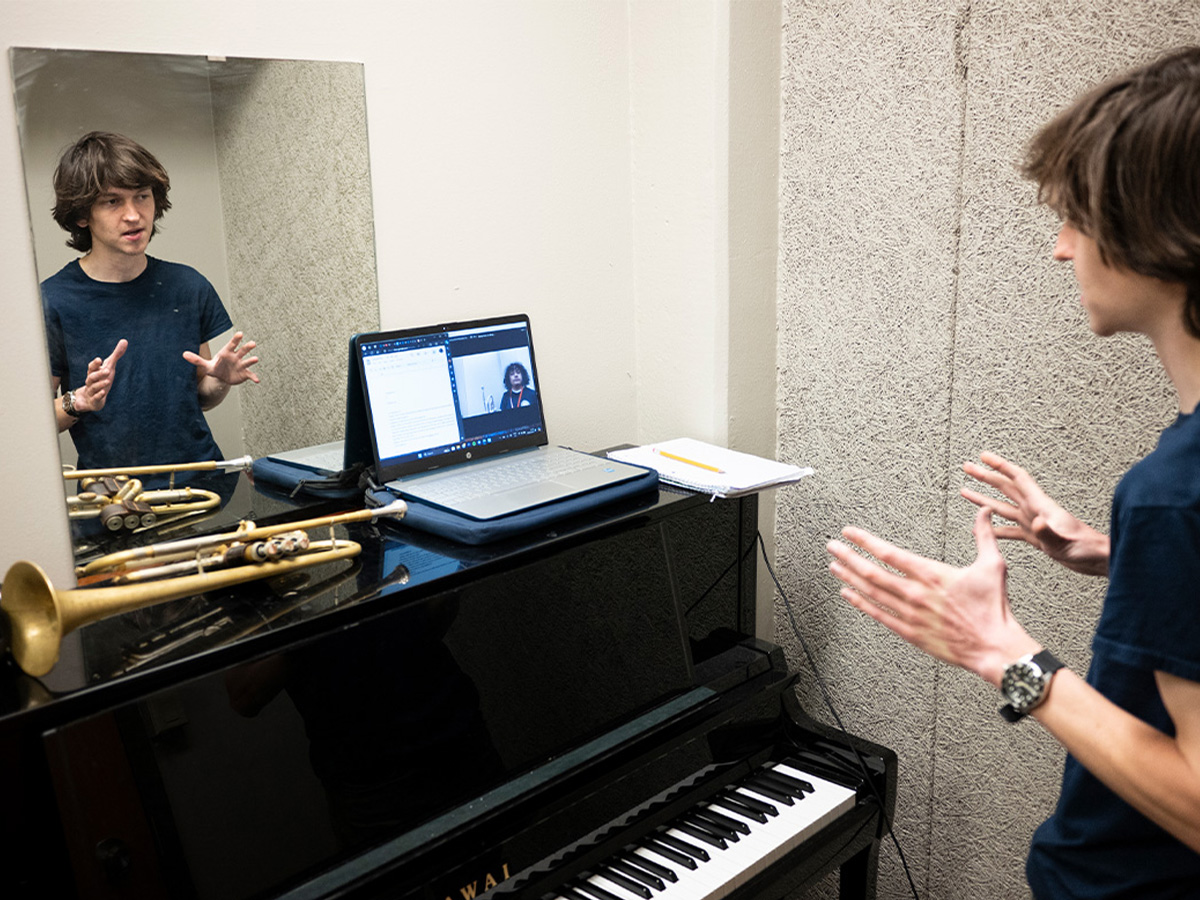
x=230 y=366
x=1039 y=520
x=92 y=396
x=960 y=616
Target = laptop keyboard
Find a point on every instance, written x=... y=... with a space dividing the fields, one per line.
x=479 y=482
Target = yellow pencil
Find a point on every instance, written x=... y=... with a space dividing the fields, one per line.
x=690 y=462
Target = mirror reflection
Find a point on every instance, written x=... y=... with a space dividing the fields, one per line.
x=269 y=222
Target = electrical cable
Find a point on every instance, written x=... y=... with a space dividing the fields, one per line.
x=787 y=605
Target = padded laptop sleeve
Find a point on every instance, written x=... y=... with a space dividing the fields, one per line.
x=442 y=522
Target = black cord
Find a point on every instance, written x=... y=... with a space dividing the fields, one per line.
x=836 y=718
x=336 y=483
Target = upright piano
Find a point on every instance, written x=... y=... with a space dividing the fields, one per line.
x=580 y=713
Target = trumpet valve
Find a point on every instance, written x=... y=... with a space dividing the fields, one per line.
x=112 y=516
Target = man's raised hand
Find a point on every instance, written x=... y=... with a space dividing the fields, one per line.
x=1038 y=520
x=92 y=396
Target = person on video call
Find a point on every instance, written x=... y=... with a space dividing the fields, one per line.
x=517 y=391
x=127 y=333
x=1121 y=166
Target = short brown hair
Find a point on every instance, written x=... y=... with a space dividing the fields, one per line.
x=1122 y=164
x=99 y=161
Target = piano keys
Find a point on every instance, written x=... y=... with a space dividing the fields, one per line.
x=720 y=844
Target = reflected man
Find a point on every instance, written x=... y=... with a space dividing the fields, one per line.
x=127 y=333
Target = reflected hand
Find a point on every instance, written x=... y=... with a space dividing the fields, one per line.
x=960 y=616
x=1040 y=521
x=230 y=366
x=100 y=374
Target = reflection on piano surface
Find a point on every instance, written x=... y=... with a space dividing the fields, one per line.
x=581 y=716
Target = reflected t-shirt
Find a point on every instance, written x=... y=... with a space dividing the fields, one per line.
x=153 y=413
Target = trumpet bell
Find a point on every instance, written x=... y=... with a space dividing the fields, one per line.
x=35 y=627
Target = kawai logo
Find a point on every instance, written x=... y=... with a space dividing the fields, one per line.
x=477 y=887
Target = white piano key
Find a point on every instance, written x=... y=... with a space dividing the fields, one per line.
x=613 y=888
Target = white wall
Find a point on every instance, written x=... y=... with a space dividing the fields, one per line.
x=525 y=155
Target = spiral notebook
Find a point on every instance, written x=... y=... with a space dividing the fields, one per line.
x=709 y=469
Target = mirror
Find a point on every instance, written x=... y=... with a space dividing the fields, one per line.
x=271 y=201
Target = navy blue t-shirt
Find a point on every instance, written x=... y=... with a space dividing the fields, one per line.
x=1095 y=845
x=153 y=413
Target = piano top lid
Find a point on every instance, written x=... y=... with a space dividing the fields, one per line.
x=133 y=654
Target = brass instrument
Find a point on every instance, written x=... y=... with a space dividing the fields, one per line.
x=39 y=616
x=118 y=500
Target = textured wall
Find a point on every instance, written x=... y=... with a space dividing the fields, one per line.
x=921 y=321
x=295 y=177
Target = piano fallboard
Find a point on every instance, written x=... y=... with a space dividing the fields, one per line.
x=531 y=838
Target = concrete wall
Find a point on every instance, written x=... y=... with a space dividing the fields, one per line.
x=921 y=320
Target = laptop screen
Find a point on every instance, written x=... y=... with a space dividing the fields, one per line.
x=446 y=394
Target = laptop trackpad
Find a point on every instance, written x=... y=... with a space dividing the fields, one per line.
x=517 y=498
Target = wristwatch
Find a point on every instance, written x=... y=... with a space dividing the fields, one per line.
x=1026 y=683
x=68 y=405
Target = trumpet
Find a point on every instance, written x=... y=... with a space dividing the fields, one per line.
x=119 y=501
x=39 y=616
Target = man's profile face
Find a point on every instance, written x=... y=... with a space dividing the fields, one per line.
x=121 y=221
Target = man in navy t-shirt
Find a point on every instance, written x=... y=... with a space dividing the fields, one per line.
x=128 y=334
x=1120 y=167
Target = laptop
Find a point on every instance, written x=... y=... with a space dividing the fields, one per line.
x=456 y=419
x=338 y=456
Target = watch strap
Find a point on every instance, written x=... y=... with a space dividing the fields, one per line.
x=1048 y=662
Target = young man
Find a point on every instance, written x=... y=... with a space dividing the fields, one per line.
x=517 y=391
x=1122 y=168
x=128 y=334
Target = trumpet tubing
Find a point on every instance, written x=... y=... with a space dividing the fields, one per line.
x=242 y=462
x=40 y=616
x=120 y=503
x=246 y=531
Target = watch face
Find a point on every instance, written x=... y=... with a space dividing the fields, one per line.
x=1023 y=684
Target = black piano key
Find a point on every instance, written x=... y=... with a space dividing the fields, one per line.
x=800 y=783
x=701 y=819
x=753 y=802
x=789 y=785
x=702 y=834
x=598 y=892
x=572 y=894
x=663 y=872
x=679 y=845
x=631 y=871
x=725 y=821
x=764 y=787
x=667 y=852
x=631 y=885
x=726 y=802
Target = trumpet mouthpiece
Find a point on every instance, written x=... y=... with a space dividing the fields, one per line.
x=396 y=509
